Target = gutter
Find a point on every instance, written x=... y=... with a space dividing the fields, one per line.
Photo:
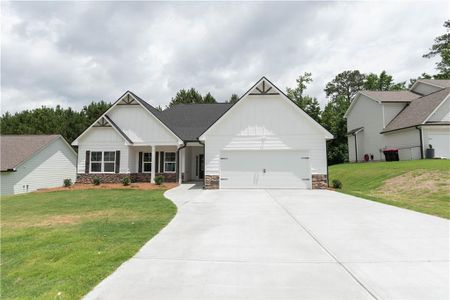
x=421 y=140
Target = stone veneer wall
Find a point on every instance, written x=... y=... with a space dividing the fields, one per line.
x=211 y=182
x=117 y=177
x=319 y=181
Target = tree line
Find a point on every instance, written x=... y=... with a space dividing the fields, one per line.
x=339 y=92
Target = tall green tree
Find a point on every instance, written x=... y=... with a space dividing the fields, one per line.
x=191 y=96
x=441 y=48
x=233 y=99
x=46 y=120
x=208 y=98
x=345 y=84
x=382 y=82
x=333 y=120
x=309 y=104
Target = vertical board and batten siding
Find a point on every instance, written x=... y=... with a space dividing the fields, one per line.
x=264 y=123
x=140 y=126
x=103 y=139
x=46 y=169
x=367 y=113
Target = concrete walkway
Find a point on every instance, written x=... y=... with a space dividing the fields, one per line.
x=286 y=244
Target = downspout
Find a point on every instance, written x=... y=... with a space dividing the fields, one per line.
x=326 y=153
x=178 y=162
x=356 y=147
x=204 y=166
x=421 y=141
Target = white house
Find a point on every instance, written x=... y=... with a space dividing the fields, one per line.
x=31 y=162
x=262 y=141
x=406 y=120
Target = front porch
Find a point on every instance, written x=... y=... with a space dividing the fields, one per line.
x=142 y=163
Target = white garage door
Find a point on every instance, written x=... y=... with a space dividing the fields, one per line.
x=441 y=144
x=265 y=169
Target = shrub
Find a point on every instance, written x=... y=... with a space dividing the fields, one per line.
x=126 y=181
x=159 y=179
x=67 y=182
x=336 y=183
x=96 y=181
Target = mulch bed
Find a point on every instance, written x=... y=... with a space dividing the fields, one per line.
x=109 y=186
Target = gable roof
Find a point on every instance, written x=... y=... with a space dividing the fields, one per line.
x=269 y=91
x=418 y=111
x=16 y=149
x=391 y=96
x=443 y=83
x=189 y=121
x=150 y=109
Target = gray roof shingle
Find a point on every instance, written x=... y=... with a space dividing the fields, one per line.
x=189 y=121
x=417 y=111
x=391 y=96
x=15 y=149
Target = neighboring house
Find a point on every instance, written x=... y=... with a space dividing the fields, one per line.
x=31 y=162
x=406 y=120
x=262 y=141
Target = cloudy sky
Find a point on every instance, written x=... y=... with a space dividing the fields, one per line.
x=73 y=53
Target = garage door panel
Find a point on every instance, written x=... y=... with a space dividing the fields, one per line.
x=265 y=169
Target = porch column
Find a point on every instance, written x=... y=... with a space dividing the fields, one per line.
x=153 y=169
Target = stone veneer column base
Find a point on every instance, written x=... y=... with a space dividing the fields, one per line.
x=118 y=177
x=319 y=181
x=211 y=182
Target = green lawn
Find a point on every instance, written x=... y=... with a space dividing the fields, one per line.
x=420 y=185
x=59 y=245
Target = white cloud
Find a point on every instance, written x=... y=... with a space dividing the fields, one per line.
x=73 y=53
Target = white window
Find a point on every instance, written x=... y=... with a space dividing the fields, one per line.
x=96 y=162
x=169 y=162
x=147 y=162
x=103 y=162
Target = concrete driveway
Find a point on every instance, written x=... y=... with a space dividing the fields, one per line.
x=286 y=244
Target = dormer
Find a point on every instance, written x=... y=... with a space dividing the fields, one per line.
x=428 y=86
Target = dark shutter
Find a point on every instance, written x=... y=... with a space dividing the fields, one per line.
x=140 y=163
x=161 y=163
x=87 y=161
x=156 y=162
x=117 y=161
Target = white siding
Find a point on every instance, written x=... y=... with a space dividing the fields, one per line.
x=391 y=110
x=48 y=168
x=103 y=139
x=140 y=126
x=406 y=140
x=425 y=89
x=442 y=114
x=439 y=138
x=367 y=113
x=263 y=123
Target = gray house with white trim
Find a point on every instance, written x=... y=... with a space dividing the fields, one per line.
x=406 y=120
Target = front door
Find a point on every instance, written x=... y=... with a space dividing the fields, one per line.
x=201 y=166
